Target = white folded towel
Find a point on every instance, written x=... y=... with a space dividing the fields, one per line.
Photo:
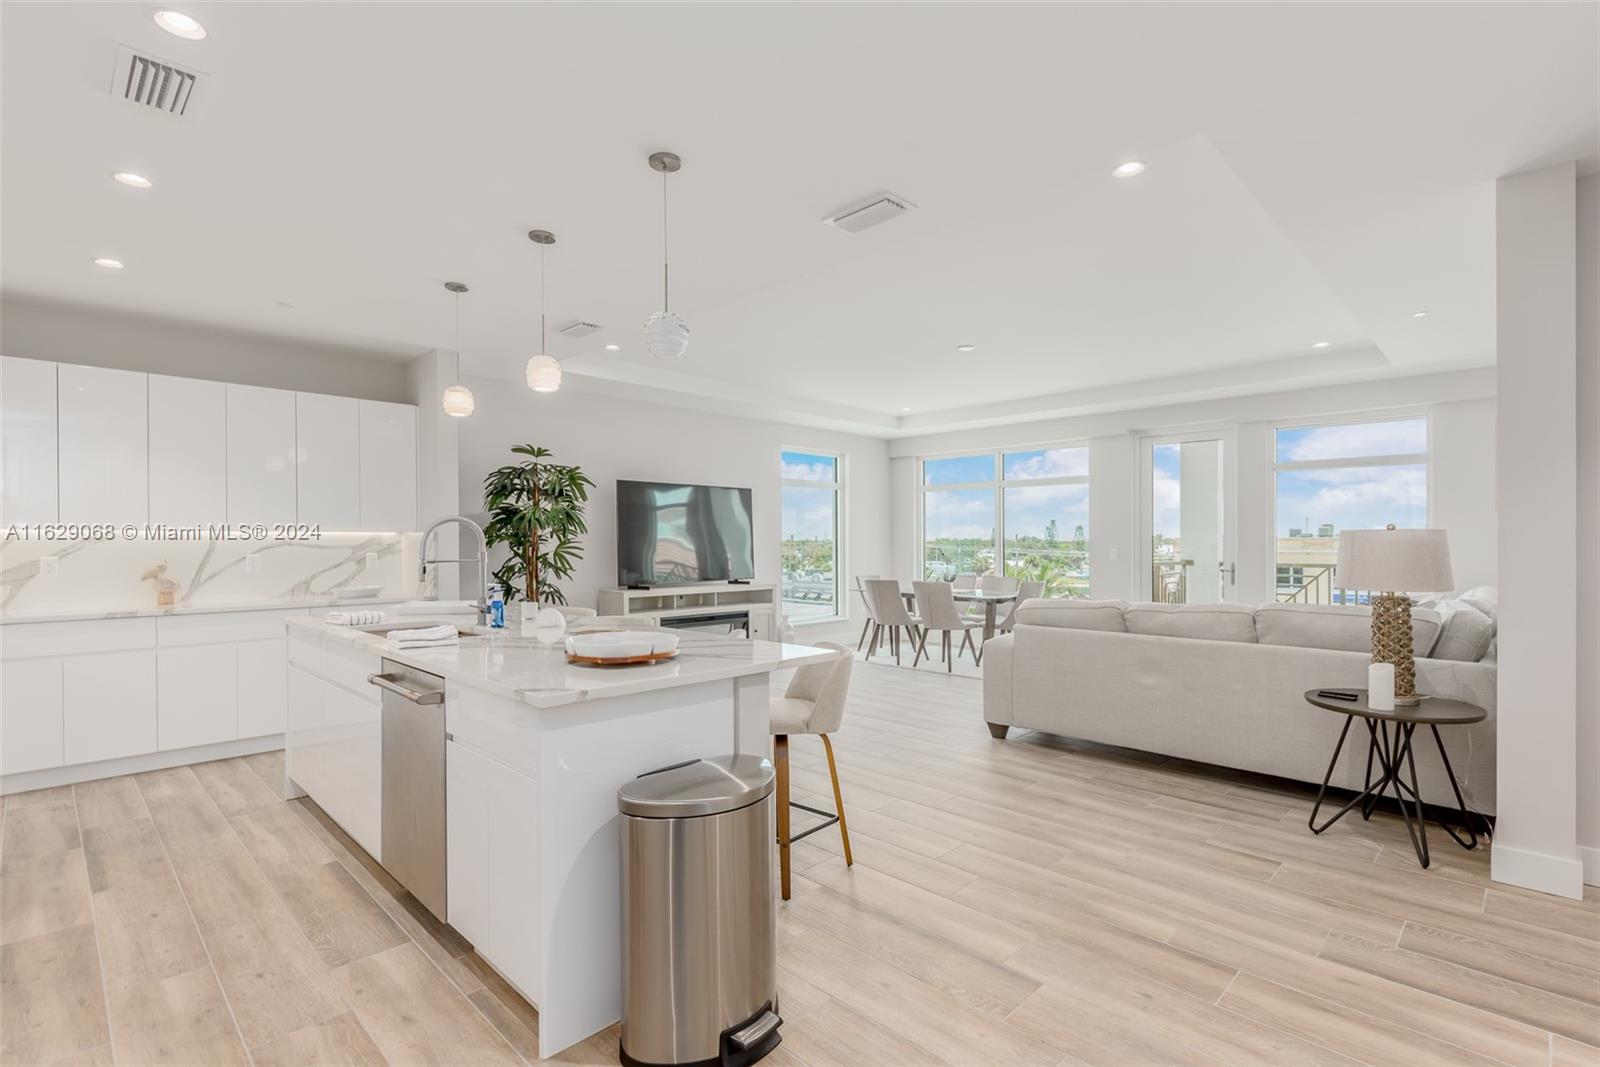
x=427 y=636
x=437 y=607
x=410 y=646
x=366 y=617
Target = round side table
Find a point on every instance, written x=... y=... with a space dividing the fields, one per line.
x=1389 y=744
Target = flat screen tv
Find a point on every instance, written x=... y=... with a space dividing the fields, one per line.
x=670 y=534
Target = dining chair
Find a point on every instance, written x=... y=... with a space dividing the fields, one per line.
x=812 y=704
x=890 y=616
x=997 y=583
x=963 y=582
x=861 y=580
x=1026 y=591
x=936 y=606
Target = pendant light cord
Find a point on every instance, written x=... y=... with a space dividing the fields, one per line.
x=458 y=338
x=666 y=257
x=544 y=346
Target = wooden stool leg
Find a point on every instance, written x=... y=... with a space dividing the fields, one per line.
x=780 y=763
x=838 y=801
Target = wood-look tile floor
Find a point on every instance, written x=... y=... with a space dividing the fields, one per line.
x=1029 y=901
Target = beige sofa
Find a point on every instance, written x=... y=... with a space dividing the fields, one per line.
x=1224 y=683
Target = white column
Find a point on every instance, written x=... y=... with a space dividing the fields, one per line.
x=1114 y=519
x=1589 y=526
x=1536 y=452
x=438 y=474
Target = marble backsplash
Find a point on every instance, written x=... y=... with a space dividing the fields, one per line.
x=109 y=575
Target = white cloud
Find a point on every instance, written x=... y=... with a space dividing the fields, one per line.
x=1053 y=463
x=1399 y=438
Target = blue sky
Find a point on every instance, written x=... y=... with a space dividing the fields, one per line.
x=1353 y=498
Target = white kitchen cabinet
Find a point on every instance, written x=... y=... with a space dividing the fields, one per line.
x=108 y=705
x=492 y=862
x=27 y=441
x=388 y=466
x=199 y=695
x=328 y=461
x=263 y=687
x=261 y=468
x=102 y=444
x=188 y=451
x=303 y=736
x=30 y=724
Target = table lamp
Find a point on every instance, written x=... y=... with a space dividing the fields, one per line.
x=1417 y=561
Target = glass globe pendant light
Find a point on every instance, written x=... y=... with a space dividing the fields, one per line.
x=457 y=399
x=666 y=335
x=543 y=372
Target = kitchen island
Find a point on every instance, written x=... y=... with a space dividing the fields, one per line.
x=534 y=751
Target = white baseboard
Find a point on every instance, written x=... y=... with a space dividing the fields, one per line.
x=1539 y=871
x=1590 y=858
x=50 y=777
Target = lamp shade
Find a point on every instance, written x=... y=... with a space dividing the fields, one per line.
x=1394 y=561
x=457 y=401
x=544 y=374
x=666 y=335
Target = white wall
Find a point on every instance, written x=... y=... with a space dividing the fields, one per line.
x=1588 y=278
x=1535 y=843
x=614 y=440
x=98 y=337
x=439 y=466
x=1461 y=405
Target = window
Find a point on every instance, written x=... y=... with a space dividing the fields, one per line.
x=811 y=534
x=1024 y=514
x=1349 y=476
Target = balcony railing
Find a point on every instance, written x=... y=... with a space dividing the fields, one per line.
x=1169 y=581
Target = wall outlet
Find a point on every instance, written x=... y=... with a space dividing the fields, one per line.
x=1114 y=554
x=372 y=560
x=252 y=563
x=49 y=566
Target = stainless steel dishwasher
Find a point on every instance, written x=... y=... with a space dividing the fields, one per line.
x=413 y=781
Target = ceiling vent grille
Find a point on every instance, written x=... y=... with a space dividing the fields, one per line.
x=578 y=328
x=863 y=216
x=155 y=83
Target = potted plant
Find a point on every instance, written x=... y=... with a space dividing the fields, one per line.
x=536 y=510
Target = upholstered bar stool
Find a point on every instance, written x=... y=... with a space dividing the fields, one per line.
x=813 y=704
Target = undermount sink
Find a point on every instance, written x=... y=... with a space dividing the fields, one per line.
x=384 y=629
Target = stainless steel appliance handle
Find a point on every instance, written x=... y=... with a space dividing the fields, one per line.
x=416 y=696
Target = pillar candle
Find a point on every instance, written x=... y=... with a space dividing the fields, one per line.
x=1380 y=687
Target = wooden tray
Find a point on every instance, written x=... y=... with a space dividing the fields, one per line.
x=620 y=661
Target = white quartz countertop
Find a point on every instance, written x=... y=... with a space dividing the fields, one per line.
x=305 y=603
x=520 y=668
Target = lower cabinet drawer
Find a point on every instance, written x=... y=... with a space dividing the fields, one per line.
x=108 y=705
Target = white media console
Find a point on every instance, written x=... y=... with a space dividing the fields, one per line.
x=750 y=604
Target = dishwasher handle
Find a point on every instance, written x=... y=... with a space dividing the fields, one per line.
x=416 y=696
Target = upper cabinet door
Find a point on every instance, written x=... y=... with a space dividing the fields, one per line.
x=328 y=457
x=27 y=441
x=188 y=453
x=103 y=441
x=261 y=468
x=388 y=466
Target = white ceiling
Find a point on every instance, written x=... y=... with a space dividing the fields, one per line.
x=1316 y=172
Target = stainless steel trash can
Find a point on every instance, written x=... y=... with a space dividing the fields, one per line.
x=699 y=922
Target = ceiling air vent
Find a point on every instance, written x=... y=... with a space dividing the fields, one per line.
x=578 y=328
x=880 y=208
x=155 y=83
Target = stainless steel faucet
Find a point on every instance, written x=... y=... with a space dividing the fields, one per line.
x=482 y=560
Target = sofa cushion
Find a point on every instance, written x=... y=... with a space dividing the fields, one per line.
x=1337 y=626
x=1465 y=633
x=1207 y=622
x=1069 y=614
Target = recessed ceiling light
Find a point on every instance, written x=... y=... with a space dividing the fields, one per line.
x=127 y=177
x=180 y=25
x=1419 y=314
x=965 y=348
x=1128 y=169
x=108 y=263
x=613 y=348
x=1321 y=344
x=903 y=410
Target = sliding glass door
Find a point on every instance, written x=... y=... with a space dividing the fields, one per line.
x=1188 y=504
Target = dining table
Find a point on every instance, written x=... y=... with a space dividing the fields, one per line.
x=991 y=601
